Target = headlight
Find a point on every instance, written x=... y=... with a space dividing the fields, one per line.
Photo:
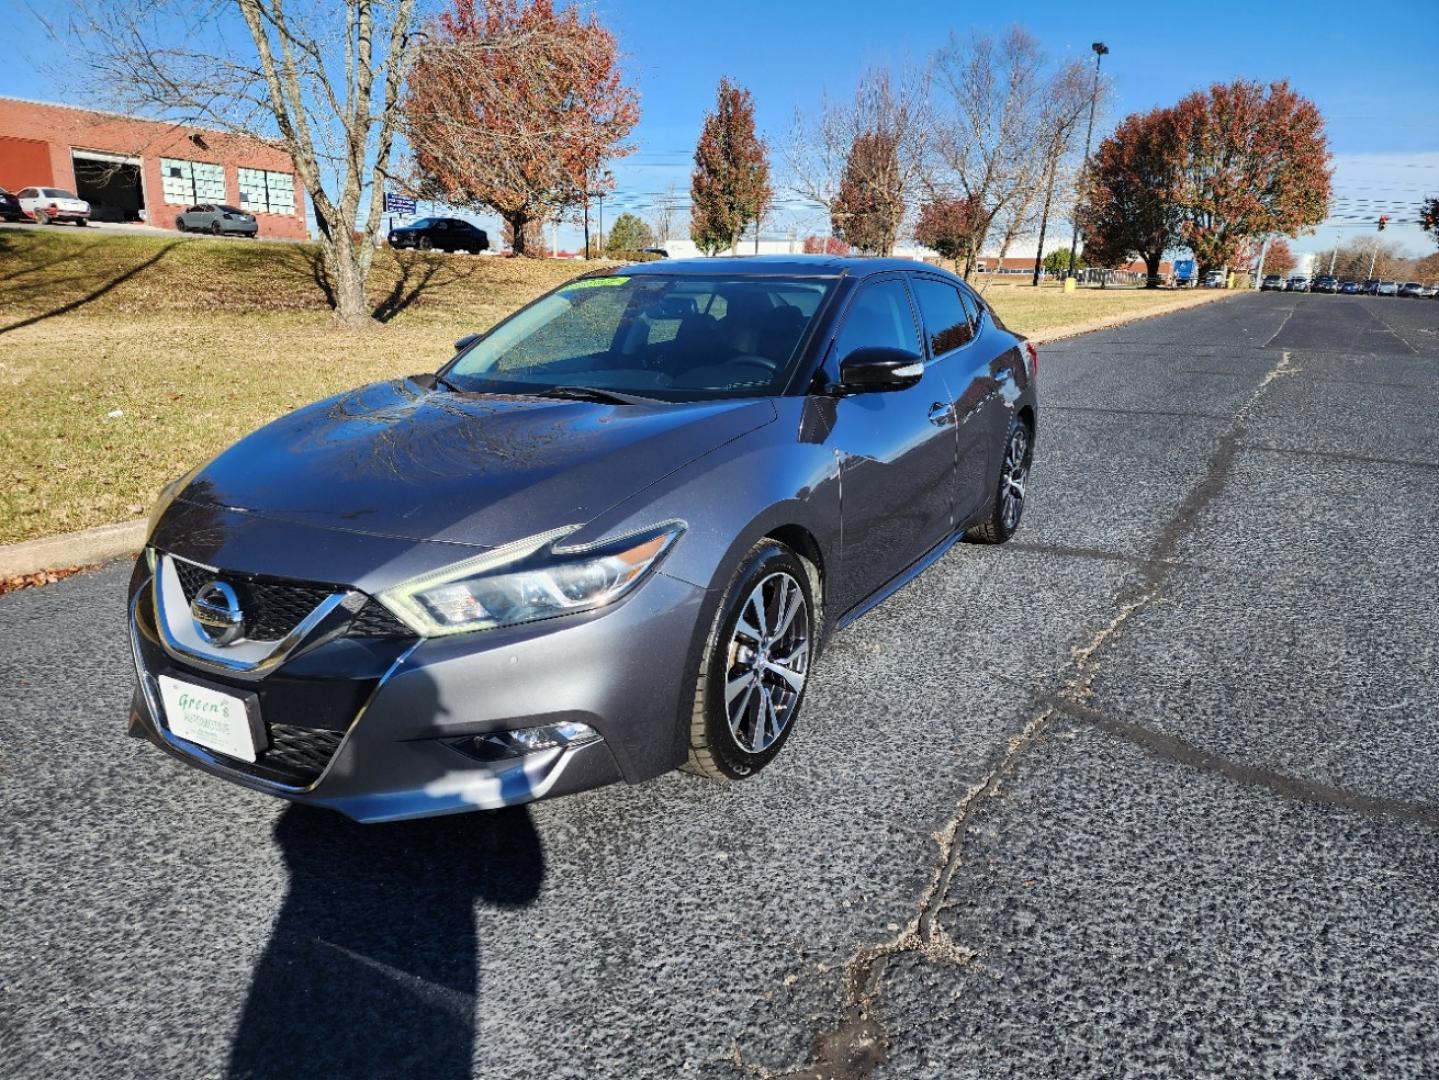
x=534 y=579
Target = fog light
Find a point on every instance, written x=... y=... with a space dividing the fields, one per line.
x=499 y=745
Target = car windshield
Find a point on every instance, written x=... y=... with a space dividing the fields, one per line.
x=56 y=193
x=676 y=338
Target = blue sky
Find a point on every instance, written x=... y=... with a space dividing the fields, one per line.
x=1372 y=76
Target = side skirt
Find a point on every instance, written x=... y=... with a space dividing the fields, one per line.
x=900 y=580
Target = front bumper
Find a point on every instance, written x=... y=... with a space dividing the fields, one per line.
x=387 y=713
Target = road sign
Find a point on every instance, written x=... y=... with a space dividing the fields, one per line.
x=1183 y=269
x=398 y=204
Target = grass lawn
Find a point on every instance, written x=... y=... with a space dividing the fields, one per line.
x=127 y=359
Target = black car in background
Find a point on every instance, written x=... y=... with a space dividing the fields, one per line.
x=1370 y=287
x=10 y=208
x=441 y=234
x=1350 y=288
x=1325 y=283
x=1272 y=283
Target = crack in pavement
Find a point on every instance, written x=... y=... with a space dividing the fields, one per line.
x=857 y=1045
x=1167 y=747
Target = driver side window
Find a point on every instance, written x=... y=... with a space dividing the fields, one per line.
x=879 y=316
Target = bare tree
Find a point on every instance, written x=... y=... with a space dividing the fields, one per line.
x=323 y=80
x=997 y=130
x=665 y=217
x=888 y=109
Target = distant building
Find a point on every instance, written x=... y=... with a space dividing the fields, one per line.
x=130 y=169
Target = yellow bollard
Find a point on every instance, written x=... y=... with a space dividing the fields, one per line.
x=1069 y=284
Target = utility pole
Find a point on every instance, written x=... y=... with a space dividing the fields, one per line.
x=1373 y=258
x=1100 y=49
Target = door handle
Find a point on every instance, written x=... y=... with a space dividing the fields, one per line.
x=939 y=414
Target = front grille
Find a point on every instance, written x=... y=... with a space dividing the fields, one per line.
x=300 y=752
x=376 y=620
x=273 y=609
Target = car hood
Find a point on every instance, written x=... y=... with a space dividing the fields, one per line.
x=396 y=459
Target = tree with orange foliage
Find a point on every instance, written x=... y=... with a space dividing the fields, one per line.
x=1132 y=202
x=954 y=228
x=526 y=132
x=730 y=185
x=1279 y=258
x=1256 y=162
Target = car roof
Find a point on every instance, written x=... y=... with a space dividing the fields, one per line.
x=784 y=266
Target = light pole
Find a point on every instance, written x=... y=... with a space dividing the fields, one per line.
x=1100 y=48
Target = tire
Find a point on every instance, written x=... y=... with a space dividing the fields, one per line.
x=42 y=218
x=215 y=229
x=424 y=243
x=719 y=749
x=82 y=222
x=1006 y=508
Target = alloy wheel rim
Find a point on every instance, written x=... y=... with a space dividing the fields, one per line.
x=768 y=658
x=1015 y=475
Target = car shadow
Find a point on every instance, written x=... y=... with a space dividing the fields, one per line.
x=372 y=966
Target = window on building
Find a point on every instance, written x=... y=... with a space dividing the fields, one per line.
x=265 y=192
x=186 y=182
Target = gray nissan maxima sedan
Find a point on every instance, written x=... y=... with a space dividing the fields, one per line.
x=609 y=538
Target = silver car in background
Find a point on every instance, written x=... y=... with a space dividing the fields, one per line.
x=218 y=220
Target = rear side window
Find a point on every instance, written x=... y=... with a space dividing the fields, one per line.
x=57 y=193
x=946 y=320
x=879 y=317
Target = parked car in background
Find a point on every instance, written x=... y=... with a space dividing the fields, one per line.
x=602 y=542
x=1387 y=288
x=1214 y=279
x=1297 y=284
x=1431 y=290
x=443 y=234
x=1412 y=288
x=49 y=205
x=10 y=208
x=1370 y=287
x=1325 y=284
x=1272 y=283
x=218 y=219
x=1349 y=288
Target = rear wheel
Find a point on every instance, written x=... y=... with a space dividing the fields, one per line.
x=82 y=222
x=42 y=218
x=1007 y=505
x=755 y=667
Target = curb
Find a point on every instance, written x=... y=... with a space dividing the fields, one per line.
x=82 y=548
x=108 y=542
x=1109 y=322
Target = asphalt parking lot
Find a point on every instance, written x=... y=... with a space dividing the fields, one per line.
x=1154 y=790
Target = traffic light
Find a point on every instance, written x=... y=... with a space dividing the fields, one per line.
x=1383 y=222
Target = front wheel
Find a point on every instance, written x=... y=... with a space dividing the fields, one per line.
x=215 y=229
x=1006 y=507
x=42 y=218
x=755 y=667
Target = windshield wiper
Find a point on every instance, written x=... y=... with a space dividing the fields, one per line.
x=593 y=393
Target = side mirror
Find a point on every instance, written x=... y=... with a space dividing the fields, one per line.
x=466 y=341
x=877 y=368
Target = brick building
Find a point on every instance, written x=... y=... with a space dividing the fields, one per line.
x=145 y=170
